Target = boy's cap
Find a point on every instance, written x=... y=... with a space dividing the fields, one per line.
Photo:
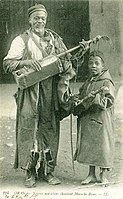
x=97 y=53
x=37 y=7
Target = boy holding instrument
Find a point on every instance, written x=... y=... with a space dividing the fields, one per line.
x=94 y=108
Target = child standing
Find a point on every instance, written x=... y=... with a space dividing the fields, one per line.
x=95 y=136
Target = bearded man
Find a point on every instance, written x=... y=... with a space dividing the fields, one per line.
x=38 y=121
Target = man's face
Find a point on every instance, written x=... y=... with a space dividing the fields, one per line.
x=37 y=21
x=95 y=65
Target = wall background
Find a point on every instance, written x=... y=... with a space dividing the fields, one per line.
x=70 y=19
x=106 y=18
x=73 y=20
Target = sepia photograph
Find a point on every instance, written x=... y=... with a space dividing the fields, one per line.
x=61 y=91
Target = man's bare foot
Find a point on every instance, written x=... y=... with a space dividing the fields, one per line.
x=89 y=179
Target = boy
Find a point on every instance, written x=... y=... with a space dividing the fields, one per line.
x=95 y=139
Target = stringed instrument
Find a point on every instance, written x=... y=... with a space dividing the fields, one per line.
x=27 y=76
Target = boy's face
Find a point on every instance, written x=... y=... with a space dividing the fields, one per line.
x=95 y=65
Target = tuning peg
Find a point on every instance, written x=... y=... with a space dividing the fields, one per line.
x=84 y=44
x=97 y=38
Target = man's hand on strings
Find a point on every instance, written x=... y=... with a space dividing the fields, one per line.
x=33 y=63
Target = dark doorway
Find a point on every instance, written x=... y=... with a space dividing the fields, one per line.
x=4 y=37
x=70 y=19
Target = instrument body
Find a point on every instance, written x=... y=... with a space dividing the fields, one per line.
x=27 y=76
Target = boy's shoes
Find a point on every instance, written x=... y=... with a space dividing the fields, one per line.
x=103 y=179
x=51 y=179
x=89 y=180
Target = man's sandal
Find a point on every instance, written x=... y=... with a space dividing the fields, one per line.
x=30 y=182
x=51 y=179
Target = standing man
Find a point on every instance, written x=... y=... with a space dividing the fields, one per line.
x=38 y=122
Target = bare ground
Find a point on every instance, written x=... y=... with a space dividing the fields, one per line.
x=12 y=180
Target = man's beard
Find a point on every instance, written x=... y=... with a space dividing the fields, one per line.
x=39 y=30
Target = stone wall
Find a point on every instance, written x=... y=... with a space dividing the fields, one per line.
x=106 y=19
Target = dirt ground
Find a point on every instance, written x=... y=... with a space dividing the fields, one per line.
x=12 y=181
